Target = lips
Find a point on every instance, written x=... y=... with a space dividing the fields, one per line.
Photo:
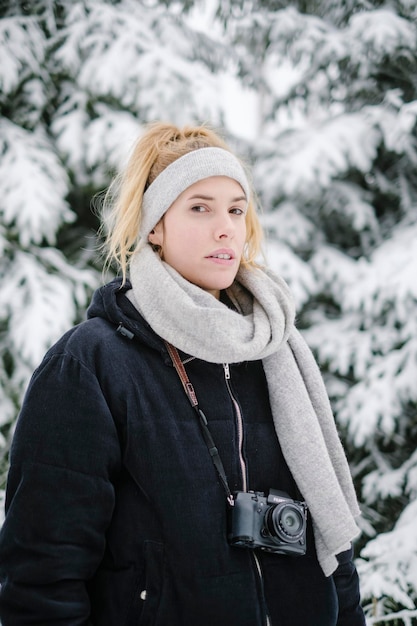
x=223 y=254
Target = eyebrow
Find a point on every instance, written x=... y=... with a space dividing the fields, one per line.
x=200 y=196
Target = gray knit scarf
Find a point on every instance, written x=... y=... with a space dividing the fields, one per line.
x=200 y=325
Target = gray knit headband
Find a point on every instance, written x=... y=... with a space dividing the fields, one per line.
x=185 y=171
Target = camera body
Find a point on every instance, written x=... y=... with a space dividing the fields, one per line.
x=274 y=523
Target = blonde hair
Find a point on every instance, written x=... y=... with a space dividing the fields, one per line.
x=157 y=148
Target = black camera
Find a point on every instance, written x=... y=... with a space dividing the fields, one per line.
x=275 y=523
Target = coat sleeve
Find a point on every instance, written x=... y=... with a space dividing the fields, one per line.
x=60 y=497
x=346 y=581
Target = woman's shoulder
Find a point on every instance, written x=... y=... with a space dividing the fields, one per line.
x=83 y=338
x=113 y=337
x=106 y=347
x=80 y=352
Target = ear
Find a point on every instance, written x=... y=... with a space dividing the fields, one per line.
x=156 y=236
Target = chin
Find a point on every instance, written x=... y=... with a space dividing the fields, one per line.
x=215 y=286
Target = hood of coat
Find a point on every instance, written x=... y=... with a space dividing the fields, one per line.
x=111 y=303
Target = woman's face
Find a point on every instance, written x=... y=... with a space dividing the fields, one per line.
x=203 y=233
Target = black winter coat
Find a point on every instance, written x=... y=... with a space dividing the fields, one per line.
x=115 y=513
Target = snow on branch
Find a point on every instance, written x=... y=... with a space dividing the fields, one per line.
x=7 y=407
x=386 y=482
x=385 y=286
x=367 y=40
x=140 y=57
x=396 y=120
x=405 y=616
x=308 y=159
x=305 y=35
x=33 y=185
x=294 y=270
x=381 y=32
x=388 y=563
x=22 y=51
x=40 y=297
x=92 y=148
x=376 y=402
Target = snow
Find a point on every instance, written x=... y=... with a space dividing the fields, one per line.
x=306 y=159
x=45 y=301
x=381 y=31
x=392 y=565
x=22 y=50
x=37 y=208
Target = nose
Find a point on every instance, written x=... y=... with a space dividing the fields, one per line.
x=224 y=228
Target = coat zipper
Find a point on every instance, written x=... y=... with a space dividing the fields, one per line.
x=239 y=422
x=242 y=462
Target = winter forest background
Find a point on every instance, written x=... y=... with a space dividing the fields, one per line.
x=320 y=96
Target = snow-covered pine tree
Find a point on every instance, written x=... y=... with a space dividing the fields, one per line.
x=78 y=80
x=39 y=289
x=336 y=159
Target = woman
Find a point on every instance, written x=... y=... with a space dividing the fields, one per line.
x=175 y=462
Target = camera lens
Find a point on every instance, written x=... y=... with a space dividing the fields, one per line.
x=290 y=521
x=285 y=521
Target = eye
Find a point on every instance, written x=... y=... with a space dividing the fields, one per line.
x=237 y=211
x=198 y=208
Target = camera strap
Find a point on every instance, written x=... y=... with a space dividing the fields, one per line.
x=192 y=397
